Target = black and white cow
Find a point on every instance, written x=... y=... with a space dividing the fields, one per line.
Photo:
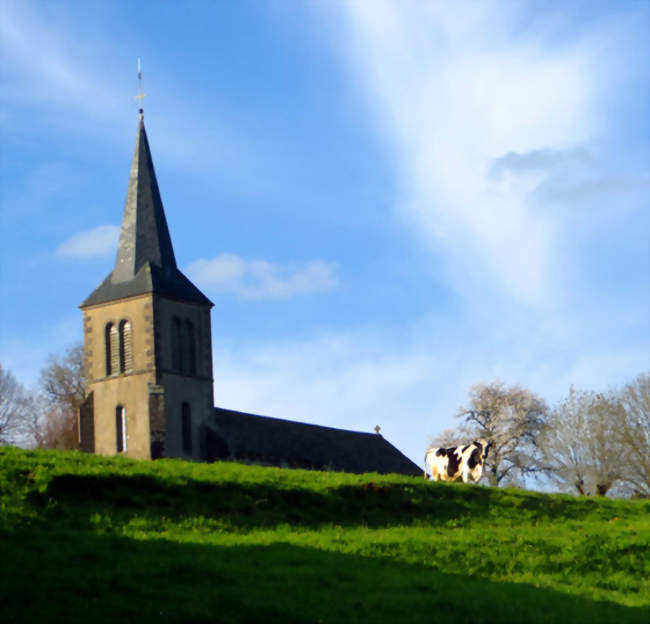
x=456 y=462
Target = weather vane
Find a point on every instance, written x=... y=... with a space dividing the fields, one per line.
x=140 y=95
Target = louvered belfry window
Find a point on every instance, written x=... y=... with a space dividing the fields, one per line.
x=184 y=348
x=107 y=347
x=126 y=347
x=190 y=348
x=177 y=345
x=112 y=349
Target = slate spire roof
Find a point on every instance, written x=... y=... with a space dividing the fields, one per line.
x=145 y=235
x=145 y=259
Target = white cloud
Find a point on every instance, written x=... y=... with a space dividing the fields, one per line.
x=95 y=243
x=455 y=90
x=258 y=279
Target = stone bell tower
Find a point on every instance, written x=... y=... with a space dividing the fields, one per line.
x=147 y=344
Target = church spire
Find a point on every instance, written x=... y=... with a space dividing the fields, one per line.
x=144 y=236
x=145 y=261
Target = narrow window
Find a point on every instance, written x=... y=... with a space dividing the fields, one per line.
x=190 y=348
x=186 y=427
x=126 y=349
x=120 y=428
x=177 y=344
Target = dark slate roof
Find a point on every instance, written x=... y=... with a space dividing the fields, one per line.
x=272 y=441
x=145 y=259
x=149 y=279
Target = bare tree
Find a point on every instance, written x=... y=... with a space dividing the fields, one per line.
x=15 y=408
x=582 y=445
x=609 y=456
x=635 y=435
x=512 y=419
x=452 y=437
x=62 y=392
x=55 y=428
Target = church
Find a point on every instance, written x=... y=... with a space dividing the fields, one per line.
x=148 y=364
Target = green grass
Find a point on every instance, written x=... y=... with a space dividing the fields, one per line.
x=94 y=539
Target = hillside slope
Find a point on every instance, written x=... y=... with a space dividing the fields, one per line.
x=88 y=538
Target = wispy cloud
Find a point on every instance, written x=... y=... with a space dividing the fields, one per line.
x=540 y=160
x=95 y=243
x=462 y=96
x=55 y=65
x=45 y=56
x=258 y=279
x=607 y=188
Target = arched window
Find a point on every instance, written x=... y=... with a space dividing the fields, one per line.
x=120 y=428
x=126 y=348
x=190 y=348
x=112 y=349
x=177 y=345
x=186 y=427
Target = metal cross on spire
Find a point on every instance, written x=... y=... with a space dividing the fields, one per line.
x=140 y=95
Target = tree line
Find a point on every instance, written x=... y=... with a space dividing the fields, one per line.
x=589 y=443
x=47 y=416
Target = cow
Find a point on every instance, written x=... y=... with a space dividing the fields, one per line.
x=454 y=463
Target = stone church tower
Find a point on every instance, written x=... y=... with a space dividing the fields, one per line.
x=147 y=344
x=148 y=365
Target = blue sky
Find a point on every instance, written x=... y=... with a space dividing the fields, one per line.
x=387 y=201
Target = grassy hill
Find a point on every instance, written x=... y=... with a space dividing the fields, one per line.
x=94 y=539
